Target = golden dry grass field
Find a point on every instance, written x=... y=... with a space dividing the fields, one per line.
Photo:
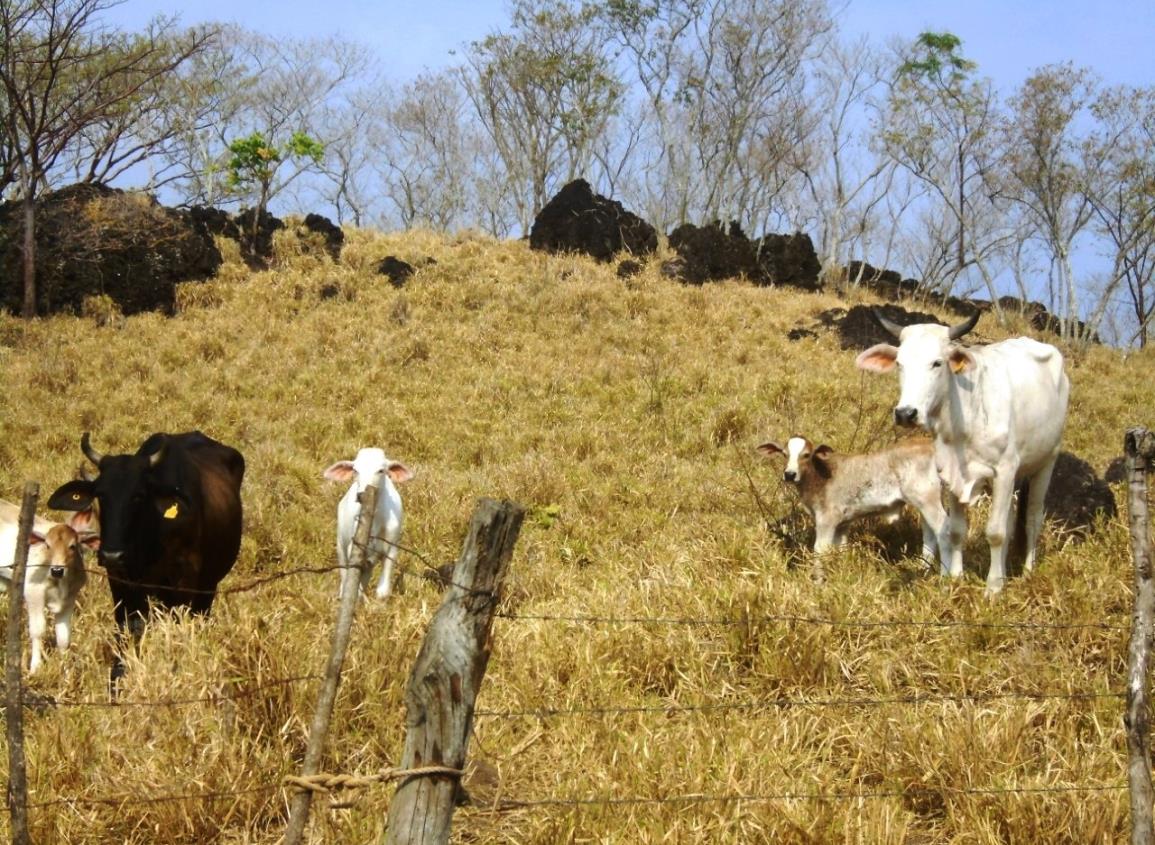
x=624 y=415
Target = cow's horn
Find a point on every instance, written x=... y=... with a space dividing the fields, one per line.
x=893 y=328
x=88 y=451
x=156 y=457
x=85 y=474
x=962 y=328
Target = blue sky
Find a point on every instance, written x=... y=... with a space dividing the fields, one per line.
x=1008 y=38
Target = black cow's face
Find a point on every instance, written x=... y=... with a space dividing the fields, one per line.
x=130 y=501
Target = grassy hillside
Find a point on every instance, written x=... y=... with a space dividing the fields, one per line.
x=625 y=415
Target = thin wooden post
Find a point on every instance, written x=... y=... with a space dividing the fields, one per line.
x=446 y=677
x=319 y=730
x=13 y=671
x=1139 y=447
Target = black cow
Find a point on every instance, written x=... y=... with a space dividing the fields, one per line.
x=170 y=521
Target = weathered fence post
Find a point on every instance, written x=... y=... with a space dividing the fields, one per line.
x=446 y=677
x=13 y=670
x=319 y=730
x=1139 y=447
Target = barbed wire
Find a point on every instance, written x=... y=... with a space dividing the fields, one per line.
x=730 y=798
x=40 y=700
x=809 y=620
x=783 y=703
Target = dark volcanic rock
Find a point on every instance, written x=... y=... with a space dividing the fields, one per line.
x=1077 y=496
x=628 y=269
x=790 y=260
x=714 y=252
x=859 y=330
x=578 y=220
x=396 y=270
x=711 y=253
x=327 y=229
x=95 y=240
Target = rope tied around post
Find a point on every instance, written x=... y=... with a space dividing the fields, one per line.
x=325 y=782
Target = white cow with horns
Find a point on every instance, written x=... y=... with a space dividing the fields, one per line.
x=997 y=414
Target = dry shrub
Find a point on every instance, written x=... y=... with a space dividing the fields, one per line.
x=628 y=420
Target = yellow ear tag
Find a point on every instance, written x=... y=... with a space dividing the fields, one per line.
x=171 y=512
x=75 y=497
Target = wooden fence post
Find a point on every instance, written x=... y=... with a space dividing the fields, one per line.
x=446 y=677
x=1139 y=447
x=13 y=671
x=319 y=730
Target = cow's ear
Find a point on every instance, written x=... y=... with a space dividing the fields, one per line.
x=82 y=520
x=770 y=449
x=73 y=496
x=170 y=503
x=35 y=538
x=818 y=459
x=340 y=471
x=399 y=473
x=89 y=539
x=960 y=360
x=880 y=358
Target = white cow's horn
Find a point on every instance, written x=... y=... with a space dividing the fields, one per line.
x=962 y=328
x=894 y=329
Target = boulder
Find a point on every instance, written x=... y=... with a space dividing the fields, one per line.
x=578 y=220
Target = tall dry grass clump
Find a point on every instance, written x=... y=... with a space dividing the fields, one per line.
x=755 y=704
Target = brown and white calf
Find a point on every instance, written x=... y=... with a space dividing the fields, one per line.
x=838 y=489
x=54 y=575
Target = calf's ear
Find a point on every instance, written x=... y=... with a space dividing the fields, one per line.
x=399 y=473
x=770 y=449
x=89 y=539
x=82 y=520
x=879 y=358
x=818 y=460
x=340 y=471
x=35 y=538
x=73 y=496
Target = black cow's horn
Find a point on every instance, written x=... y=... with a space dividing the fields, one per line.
x=891 y=327
x=155 y=457
x=88 y=451
x=85 y=474
x=962 y=328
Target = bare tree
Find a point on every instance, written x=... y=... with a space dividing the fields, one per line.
x=847 y=180
x=62 y=75
x=1044 y=169
x=941 y=127
x=1120 y=161
x=723 y=95
x=544 y=92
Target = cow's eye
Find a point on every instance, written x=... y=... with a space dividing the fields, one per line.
x=936 y=364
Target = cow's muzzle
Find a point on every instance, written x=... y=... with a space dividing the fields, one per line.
x=56 y=571
x=906 y=416
x=790 y=475
x=110 y=558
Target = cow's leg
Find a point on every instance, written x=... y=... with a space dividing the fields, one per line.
x=64 y=626
x=36 y=625
x=384 y=586
x=953 y=535
x=129 y=608
x=1036 y=498
x=1002 y=510
x=825 y=535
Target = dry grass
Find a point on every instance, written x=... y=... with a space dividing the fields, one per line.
x=625 y=415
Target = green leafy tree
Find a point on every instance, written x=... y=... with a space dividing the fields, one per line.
x=254 y=161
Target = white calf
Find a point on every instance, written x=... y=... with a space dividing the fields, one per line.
x=387 y=520
x=838 y=489
x=54 y=574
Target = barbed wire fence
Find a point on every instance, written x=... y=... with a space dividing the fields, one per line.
x=1134 y=695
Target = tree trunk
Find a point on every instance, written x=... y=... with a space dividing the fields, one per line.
x=29 y=255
